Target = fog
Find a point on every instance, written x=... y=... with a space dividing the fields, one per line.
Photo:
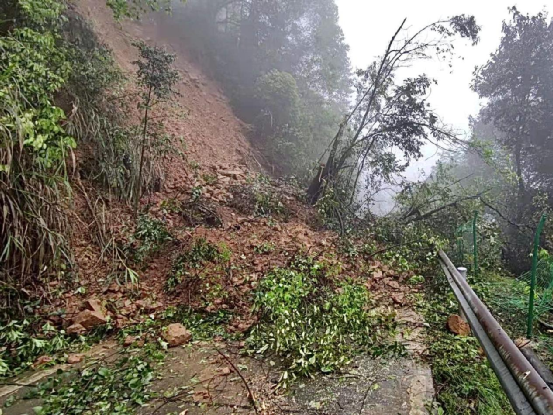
x=368 y=27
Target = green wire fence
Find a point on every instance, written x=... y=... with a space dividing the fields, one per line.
x=522 y=301
x=467 y=245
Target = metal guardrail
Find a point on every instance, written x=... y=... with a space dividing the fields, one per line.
x=526 y=389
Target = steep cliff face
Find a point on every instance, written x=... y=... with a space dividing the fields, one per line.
x=211 y=133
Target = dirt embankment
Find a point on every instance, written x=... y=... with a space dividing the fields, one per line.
x=211 y=194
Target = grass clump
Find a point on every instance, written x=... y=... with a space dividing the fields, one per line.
x=313 y=326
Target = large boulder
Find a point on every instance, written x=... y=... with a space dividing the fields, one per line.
x=176 y=335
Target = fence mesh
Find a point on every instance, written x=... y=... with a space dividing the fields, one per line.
x=511 y=300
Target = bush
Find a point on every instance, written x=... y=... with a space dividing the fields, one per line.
x=149 y=237
x=313 y=326
x=34 y=188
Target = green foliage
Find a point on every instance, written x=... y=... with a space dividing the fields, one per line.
x=264 y=248
x=149 y=237
x=194 y=259
x=284 y=66
x=22 y=342
x=157 y=79
x=34 y=66
x=155 y=73
x=279 y=98
x=204 y=326
x=259 y=198
x=116 y=389
x=135 y=8
x=312 y=326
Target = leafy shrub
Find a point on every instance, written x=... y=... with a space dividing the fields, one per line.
x=21 y=343
x=200 y=253
x=34 y=189
x=312 y=326
x=149 y=237
x=258 y=198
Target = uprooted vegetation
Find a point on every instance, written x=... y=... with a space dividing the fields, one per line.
x=314 y=322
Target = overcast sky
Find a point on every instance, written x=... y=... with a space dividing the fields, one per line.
x=369 y=25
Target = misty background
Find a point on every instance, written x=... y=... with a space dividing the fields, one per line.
x=368 y=27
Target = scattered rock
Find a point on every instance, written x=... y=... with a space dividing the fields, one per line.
x=377 y=274
x=458 y=326
x=75 y=358
x=129 y=340
x=224 y=371
x=393 y=284
x=235 y=174
x=398 y=298
x=147 y=306
x=176 y=335
x=76 y=329
x=94 y=304
x=42 y=360
x=90 y=319
x=114 y=287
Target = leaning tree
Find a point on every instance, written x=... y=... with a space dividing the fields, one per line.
x=391 y=119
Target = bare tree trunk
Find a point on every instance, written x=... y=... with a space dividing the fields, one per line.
x=138 y=190
x=326 y=173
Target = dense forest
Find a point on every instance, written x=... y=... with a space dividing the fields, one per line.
x=201 y=173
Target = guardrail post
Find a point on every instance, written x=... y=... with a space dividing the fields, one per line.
x=475 y=243
x=530 y=328
x=463 y=272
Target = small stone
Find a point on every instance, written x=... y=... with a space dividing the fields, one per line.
x=176 y=335
x=90 y=319
x=76 y=329
x=224 y=371
x=393 y=284
x=75 y=358
x=458 y=326
x=148 y=306
x=128 y=341
x=398 y=298
x=235 y=174
x=42 y=360
x=93 y=304
x=114 y=287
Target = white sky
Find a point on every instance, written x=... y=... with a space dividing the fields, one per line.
x=369 y=25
